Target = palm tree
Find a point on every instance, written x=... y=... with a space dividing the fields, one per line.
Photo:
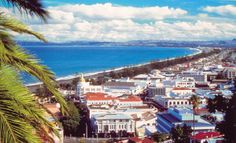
x=22 y=119
x=195 y=101
x=181 y=134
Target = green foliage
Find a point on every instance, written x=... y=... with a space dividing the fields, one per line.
x=71 y=122
x=181 y=134
x=219 y=103
x=20 y=114
x=227 y=106
x=32 y=7
x=195 y=100
x=22 y=119
x=159 y=137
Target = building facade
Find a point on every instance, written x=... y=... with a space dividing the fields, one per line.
x=180 y=116
x=111 y=122
x=84 y=87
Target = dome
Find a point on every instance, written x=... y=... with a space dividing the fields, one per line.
x=82 y=78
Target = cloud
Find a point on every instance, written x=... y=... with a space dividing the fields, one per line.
x=107 y=22
x=221 y=10
x=110 y=11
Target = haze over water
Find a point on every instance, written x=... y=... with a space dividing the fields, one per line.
x=68 y=60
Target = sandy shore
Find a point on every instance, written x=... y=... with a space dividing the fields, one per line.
x=69 y=78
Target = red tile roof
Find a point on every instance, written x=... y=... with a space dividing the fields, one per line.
x=98 y=96
x=202 y=135
x=138 y=140
x=103 y=96
x=130 y=99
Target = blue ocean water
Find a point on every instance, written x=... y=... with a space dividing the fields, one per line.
x=68 y=60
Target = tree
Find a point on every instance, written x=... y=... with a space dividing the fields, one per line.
x=71 y=122
x=21 y=117
x=195 y=101
x=159 y=137
x=181 y=134
x=227 y=106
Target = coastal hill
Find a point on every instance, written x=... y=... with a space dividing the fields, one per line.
x=160 y=43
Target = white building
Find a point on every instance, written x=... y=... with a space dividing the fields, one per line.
x=182 y=91
x=177 y=101
x=122 y=87
x=229 y=72
x=85 y=87
x=112 y=122
x=98 y=99
x=168 y=101
x=198 y=76
x=186 y=82
x=154 y=90
x=104 y=99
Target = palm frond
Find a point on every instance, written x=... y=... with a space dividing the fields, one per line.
x=18 y=110
x=31 y=7
x=10 y=23
x=12 y=54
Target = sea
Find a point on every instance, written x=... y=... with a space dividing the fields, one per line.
x=70 y=60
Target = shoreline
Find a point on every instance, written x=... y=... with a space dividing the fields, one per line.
x=93 y=74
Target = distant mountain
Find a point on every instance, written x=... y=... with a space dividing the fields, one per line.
x=221 y=43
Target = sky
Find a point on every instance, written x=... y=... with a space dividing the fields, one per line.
x=126 y=20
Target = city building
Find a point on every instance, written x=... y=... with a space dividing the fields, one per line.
x=53 y=111
x=156 y=90
x=128 y=101
x=185 y=82
x=98 y=99
x=182 y=91
x=209 y=137
x=198 y=76
x=85 y=87
x=113 y=122
x=180 y=116
x=173 y=101
x=118 y=88
x=229 y=72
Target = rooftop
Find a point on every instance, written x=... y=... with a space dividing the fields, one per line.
x=206 y=135
x=98 y=96
x=168 y=117
x=111 y=116
x=129 y=84
x=183 y=110
x=130 y=98
x=181 y=88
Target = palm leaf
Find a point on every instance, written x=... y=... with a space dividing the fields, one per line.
x=12 y=54
x=9 y=23
x=13 y=124
x=31 y=7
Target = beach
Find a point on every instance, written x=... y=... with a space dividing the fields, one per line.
x=70 y=78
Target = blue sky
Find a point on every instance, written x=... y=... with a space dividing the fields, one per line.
x=192 y=5
x=124 y=20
